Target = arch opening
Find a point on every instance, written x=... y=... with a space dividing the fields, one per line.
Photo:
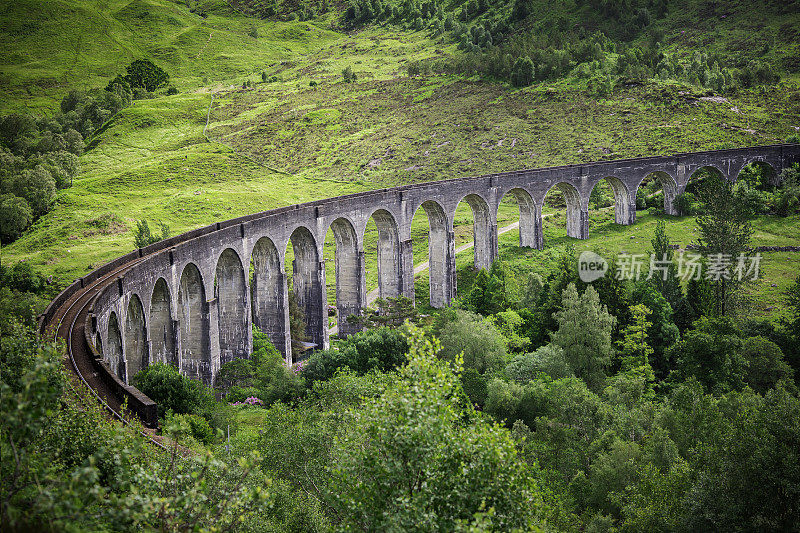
x=529 y=225
x=657 y=190
x=230 y=292
x=611 y=191
x=441 y=249
x=688 y=204
x=759 y=175
x=268 y=294
x=483 y=237
x=307 y=293
x=348 y=275
x=195 y=349
x=384 y=271
x=563 y=195
x=162 y=327
x=135 y=351
x=115 y=355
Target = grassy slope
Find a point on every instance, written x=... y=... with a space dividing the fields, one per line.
x=153 y=161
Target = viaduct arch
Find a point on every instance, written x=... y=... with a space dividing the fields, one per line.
x=191 y=300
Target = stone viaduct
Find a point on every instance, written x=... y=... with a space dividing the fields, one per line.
x=191 y=300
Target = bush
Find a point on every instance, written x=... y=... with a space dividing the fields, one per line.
x=522 y=73
x=143 y=237
x=172 y=90
x=348 y=75
x=382 y=349
x=240 y=394
x=164 y=385
x=686 y=204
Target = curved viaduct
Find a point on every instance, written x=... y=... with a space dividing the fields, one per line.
x=190 y=300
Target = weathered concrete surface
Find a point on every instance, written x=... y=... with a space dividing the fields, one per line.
x=191 y=300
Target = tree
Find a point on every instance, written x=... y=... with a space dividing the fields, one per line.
x=522 y=72
x=584 y=333
x=548 y=359
x=143 y=237
x=388 y=312
x=765 y=364
x=143 y=73
x=666 y=281
x=348 y=75
x=790 y=325
x=15 y=217
x=634 y=348
x=725 y=234
x=482 y=346
x=712 y=354
x=38 y=187
x=418 y=458
x=663 y=332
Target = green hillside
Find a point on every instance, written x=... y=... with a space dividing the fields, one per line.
x=298 y=132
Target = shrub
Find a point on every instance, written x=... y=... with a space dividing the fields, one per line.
x=382 y=349
x=522 y=73
x=143 y=237
x=172 y=90
x=348 y=75
x=240 y=394
x=171 y=390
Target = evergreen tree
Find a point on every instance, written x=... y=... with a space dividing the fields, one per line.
x=725 y=233
x=584 y=333
x=634 y=348
x=666 y=281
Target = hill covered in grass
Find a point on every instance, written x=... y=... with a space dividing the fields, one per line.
x=264 y=117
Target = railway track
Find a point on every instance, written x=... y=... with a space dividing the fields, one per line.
x=68 y=324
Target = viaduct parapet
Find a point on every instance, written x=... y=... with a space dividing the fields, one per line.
x=190 y=300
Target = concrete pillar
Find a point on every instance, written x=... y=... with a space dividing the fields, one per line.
x=450 y=262
x=208 y=369
x=280 y=333
x=407 y=269
x=494 y=246
x=350 y=304
x=318 y=309
x=625 y=208
x=577 y=221
x=535 y=233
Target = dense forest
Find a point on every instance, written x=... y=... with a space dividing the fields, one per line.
x=536 y=402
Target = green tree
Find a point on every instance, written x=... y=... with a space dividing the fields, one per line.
x=522 y=72
x=143 y=73
x=712 y=354
x=15 y=217
x=411 y=463
x=765 y=364
x=725 y=233
x=481 y=344
x=548 y=359
x=349 y=75
x=634 y=348
x=663 y=333
x=666 y=281
x=584 y=333
x=790 y=325
x=142 y=236
x=38 y=187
